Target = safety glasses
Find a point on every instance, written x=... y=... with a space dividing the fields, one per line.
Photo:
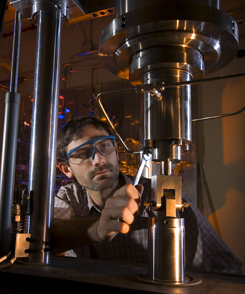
x=86 y=151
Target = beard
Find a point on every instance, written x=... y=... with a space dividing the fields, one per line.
x=102 y=182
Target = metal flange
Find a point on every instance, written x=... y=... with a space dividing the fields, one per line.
x=29 y=8
x=179 y=27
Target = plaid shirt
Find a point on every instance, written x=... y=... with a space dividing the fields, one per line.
x=204 y=249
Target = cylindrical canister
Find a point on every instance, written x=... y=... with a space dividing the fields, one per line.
x=166 y=249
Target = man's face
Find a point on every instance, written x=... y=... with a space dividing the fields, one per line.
x=98 y=174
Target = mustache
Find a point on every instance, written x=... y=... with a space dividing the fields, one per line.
x=100 y=168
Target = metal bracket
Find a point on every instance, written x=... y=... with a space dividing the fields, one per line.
x=22 y=245
x=160 y=183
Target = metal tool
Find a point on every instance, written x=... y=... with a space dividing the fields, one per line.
x=145 y=157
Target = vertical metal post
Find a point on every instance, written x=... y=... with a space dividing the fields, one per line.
x=15 y=52
x=10 y=132
x=44 y=130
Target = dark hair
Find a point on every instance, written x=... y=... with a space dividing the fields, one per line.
x=73 y=130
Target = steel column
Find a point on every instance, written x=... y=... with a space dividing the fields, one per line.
x=10 y=131
x=44 y=130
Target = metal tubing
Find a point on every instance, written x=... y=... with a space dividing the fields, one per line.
x=44 y=131
x=15 y=53
x=98 y=99
x=220 y=115
x=10 y=131
x=194 y=82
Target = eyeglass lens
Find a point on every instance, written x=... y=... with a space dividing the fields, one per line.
x=87 y=152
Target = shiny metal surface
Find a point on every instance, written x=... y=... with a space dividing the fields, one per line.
x=173 y=42
x=21 y=245
x=28 y=8
x=153 y=43
x=159 y=183
x=9 y=145
x=166 y=249
x=124 y=6
x=181 y=24
x=146 y=155
x=10 y=131
x=44 y=130
x=15 y=53
x=164 y=57
x=168 y=119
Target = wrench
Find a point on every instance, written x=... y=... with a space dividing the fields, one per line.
x=145 y=157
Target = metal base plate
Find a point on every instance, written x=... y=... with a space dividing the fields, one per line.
x=188 y=281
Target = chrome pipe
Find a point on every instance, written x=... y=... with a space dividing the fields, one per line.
x=194 y=82
x=42 y=166
x=98 y=99
x=15 y=52
x=219 y=116
x=9 y=145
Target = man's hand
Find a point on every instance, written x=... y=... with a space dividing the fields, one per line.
x=118 y=213
x=123 y=205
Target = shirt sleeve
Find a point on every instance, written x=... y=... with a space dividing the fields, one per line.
x=62 y=206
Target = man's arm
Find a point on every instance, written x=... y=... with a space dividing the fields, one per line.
x=68 y=234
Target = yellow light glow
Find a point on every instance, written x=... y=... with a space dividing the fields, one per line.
x=193 y=36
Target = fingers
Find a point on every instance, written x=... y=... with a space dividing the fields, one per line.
x=108 y=228
x=127 y=196
x=116 y=226
x=140 y=189
x=123 y=205
x=130 y=191
x=120 y=209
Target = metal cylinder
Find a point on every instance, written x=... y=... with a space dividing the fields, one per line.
x=15 y=53
x=192 y=35
x=125 y=6
x=169 y=119
x=10 y=131
x=44 y=130
x=166 y=249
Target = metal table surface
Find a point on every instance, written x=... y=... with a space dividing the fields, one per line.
x=66 y=274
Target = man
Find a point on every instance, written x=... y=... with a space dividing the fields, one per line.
x=101 y=214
